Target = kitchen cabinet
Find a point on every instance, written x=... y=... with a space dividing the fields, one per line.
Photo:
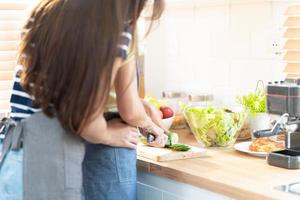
x=154 y=187
x=223 y=174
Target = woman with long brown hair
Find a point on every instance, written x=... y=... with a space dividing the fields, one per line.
x=73 y=52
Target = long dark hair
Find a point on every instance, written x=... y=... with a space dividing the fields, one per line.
x=67 y=52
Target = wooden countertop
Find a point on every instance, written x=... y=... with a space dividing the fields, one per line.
x=227 y=172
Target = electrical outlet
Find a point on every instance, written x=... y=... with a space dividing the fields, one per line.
x=276 y=47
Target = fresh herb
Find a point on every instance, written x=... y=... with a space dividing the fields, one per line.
x=254 y=102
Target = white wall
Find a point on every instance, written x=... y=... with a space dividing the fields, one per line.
x=222 y=48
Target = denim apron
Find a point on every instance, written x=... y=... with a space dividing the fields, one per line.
x=109 y=173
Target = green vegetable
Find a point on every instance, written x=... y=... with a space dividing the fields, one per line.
x=180 y=147
x=172 y=142
x=172 y=139
x=143 y=140
x=213 y=126
x=153 y=101
x=254 y=102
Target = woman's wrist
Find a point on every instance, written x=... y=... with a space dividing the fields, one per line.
x=108 y=136
x=147 y=123
x=151 y=127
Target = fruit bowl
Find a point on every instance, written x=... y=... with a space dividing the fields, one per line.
x=168 y=122
x=167 y=114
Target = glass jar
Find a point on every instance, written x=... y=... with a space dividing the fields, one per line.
x=173 y=99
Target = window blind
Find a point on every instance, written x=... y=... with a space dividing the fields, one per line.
x=292 y=41
x=12 y=17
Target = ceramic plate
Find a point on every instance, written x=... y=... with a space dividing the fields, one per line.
x=244 y=147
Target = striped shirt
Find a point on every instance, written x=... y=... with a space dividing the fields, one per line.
x=21 y=103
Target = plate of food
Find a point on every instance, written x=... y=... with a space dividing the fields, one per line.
x=260 y=147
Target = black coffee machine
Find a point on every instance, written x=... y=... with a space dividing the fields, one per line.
x=283 y=98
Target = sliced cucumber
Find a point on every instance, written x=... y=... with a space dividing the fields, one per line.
x=172 y=142
x=180 y=147
x=172 y=139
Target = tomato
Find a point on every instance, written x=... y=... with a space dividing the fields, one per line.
x=167 y=112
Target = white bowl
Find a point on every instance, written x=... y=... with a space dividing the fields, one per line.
x=168 y=122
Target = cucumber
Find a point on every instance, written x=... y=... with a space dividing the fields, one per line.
x=172 y=142
x=172 y=139
x=180 y=147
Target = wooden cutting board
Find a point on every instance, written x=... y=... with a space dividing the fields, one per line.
x=165 y=154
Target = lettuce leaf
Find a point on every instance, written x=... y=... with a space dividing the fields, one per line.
x=213 y=126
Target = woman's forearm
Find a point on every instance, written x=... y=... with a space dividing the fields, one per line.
x=112 y=133
x=96 y=131
x=129 y=103
x=133 y=113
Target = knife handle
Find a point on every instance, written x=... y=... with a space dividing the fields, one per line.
x=150 y=138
